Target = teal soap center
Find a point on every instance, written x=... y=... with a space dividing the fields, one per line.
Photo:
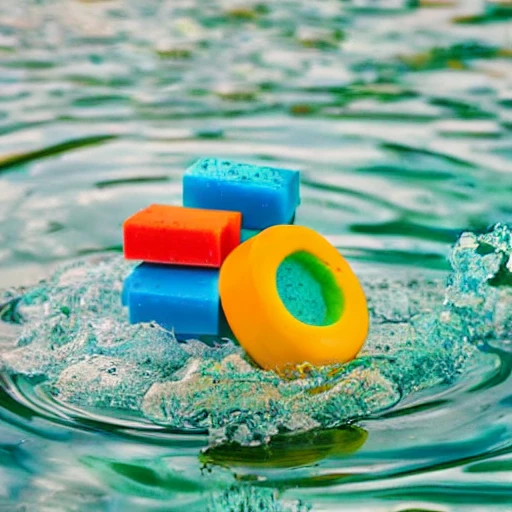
x=309 y=290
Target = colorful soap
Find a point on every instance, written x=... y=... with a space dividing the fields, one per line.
x=291 y=298
x=181 y=236
x=182 y=299
x=265 y=196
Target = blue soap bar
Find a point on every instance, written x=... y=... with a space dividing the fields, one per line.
x=265 y=196
x=183 y=299
x=126 y=291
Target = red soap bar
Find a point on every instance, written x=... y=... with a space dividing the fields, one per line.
x=181 y=236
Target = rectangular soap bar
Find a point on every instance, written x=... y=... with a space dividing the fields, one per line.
x=183 y=299
x=181 y=236
x=265 y=196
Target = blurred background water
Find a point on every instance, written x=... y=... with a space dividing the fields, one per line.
x=399 y=115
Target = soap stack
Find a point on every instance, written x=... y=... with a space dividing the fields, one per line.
x=182 y=248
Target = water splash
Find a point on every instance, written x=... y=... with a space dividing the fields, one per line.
x=254 y=499
x=76 y=337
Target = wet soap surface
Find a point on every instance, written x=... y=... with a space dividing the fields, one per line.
x=175 y=235
x=183 y=300
x=265 y=196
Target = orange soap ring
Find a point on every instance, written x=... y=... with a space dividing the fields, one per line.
x=263 y=325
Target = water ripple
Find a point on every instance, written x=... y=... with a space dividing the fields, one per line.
x=397 y=112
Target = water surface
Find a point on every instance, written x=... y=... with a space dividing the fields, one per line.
x=399 y=116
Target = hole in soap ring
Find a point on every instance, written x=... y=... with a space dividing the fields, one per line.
x=309 y=290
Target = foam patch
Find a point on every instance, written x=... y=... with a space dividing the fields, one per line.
x=77 y=341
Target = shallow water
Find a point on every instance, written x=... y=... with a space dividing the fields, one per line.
x=399 y=116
